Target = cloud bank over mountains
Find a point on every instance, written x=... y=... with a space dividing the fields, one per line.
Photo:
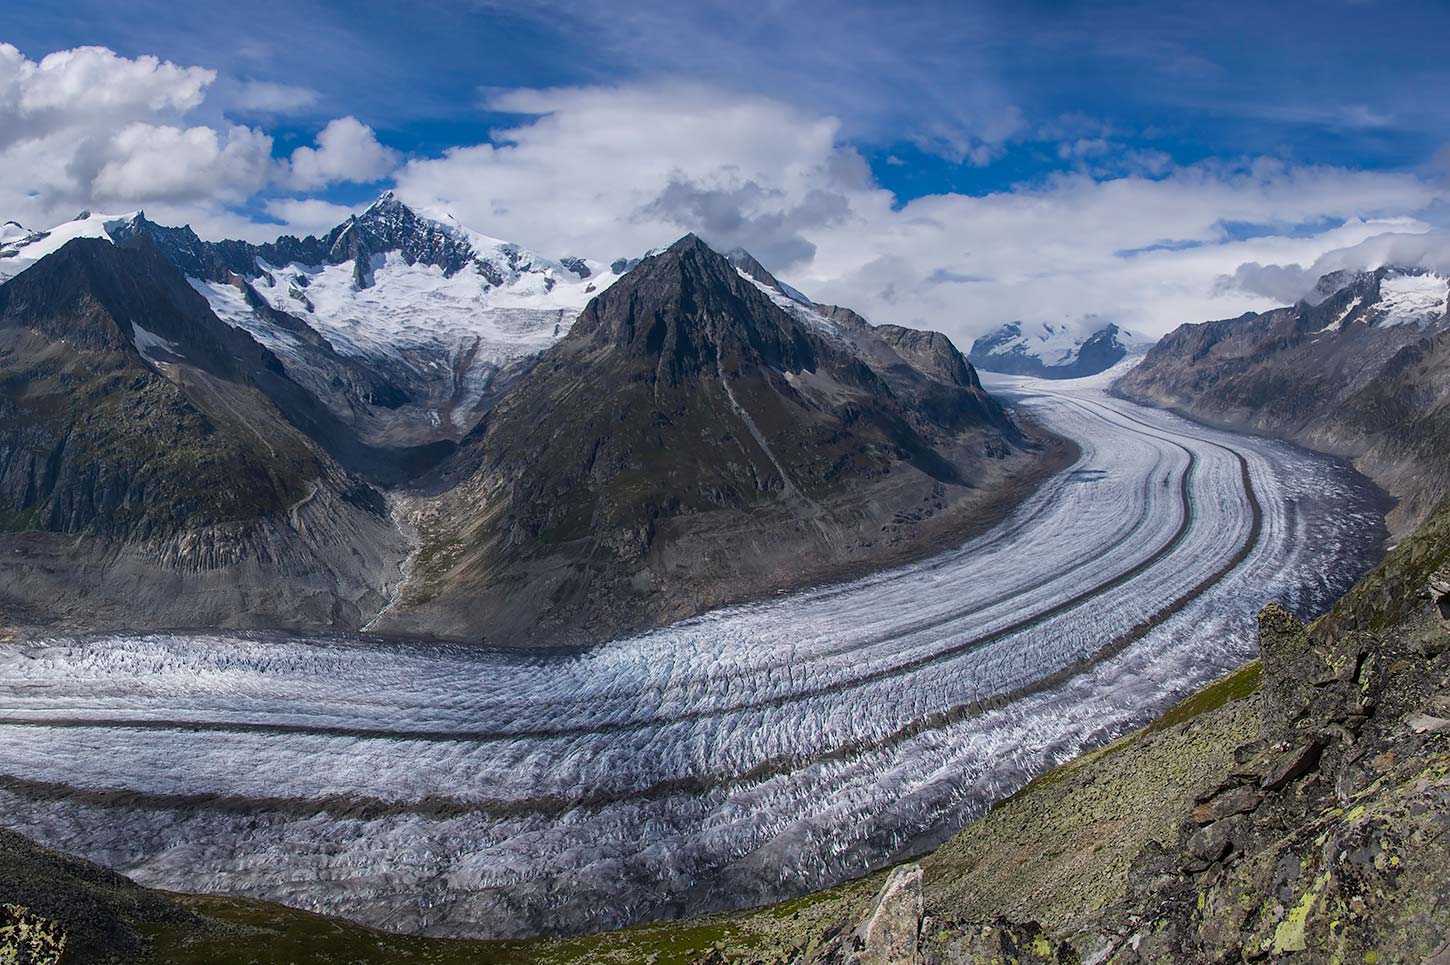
x=614 y=169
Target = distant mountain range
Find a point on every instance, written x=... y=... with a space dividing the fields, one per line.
x=198 y=432
x=401 y=324
x=1054 y=351
x=1360 y=368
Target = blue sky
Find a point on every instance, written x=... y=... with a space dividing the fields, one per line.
x=1263 y=108
x=1344 y=82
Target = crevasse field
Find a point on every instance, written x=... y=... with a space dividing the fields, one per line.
x=748 y=755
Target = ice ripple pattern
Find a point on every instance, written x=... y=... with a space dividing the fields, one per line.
x=748 y=755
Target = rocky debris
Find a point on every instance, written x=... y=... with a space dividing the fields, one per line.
x=994 y=943
x=1214 y=842
x=1234 y=800
x=895 y=931
x=1437 y=591
x=1290 y=765
x=1426 y=724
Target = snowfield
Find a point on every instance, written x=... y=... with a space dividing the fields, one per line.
x=1412 y=299
x=21 y=248
x=748 y=755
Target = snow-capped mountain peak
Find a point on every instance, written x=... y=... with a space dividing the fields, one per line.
x=439 y=305
x=1385 y=297
x=1054 y=350
x=21 y=248
x=14 y=233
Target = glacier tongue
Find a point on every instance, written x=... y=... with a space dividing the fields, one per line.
x=744 y=756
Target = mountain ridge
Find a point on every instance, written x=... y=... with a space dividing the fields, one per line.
x=730 y=394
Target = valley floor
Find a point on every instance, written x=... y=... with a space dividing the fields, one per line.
x=738 y=758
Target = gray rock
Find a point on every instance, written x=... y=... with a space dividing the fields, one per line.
x=1237 y=800
x=1291 y=765
x=891 y=930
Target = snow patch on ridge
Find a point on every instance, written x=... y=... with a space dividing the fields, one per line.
x=150 y=344
x=26 y=249
x=1412 y=299
x=798 y=308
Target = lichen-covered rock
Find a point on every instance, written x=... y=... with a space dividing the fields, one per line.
x=998 y=942
x=28 y=939
x=890 y=932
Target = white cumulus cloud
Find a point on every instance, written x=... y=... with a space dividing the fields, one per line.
x=89 y=128
x=347 y=150
x=614 y=171
x=147 y=162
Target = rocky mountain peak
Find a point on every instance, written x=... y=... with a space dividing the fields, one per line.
x=1337 y=281
x=388 y=225
x=747 y=263
x=688 y=309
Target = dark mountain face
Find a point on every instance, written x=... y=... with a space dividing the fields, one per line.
x=152 y=468
x=95 y=437
x=1358 y=369
x=685 y=400
x=702 y=434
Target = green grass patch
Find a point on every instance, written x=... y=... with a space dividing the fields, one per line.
x=1238 y=685
x=258 y=933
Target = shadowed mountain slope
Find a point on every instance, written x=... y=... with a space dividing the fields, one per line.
x=145 y=455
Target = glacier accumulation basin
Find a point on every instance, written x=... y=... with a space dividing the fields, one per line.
x=752 y=754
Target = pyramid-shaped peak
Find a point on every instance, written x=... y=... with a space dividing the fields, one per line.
x=690 y=242
x=385 y=200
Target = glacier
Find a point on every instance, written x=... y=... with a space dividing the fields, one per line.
x=748 y=755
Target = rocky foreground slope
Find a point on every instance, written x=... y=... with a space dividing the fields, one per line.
x=1357 y=369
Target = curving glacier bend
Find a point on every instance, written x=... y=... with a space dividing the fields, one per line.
x=747 y=755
